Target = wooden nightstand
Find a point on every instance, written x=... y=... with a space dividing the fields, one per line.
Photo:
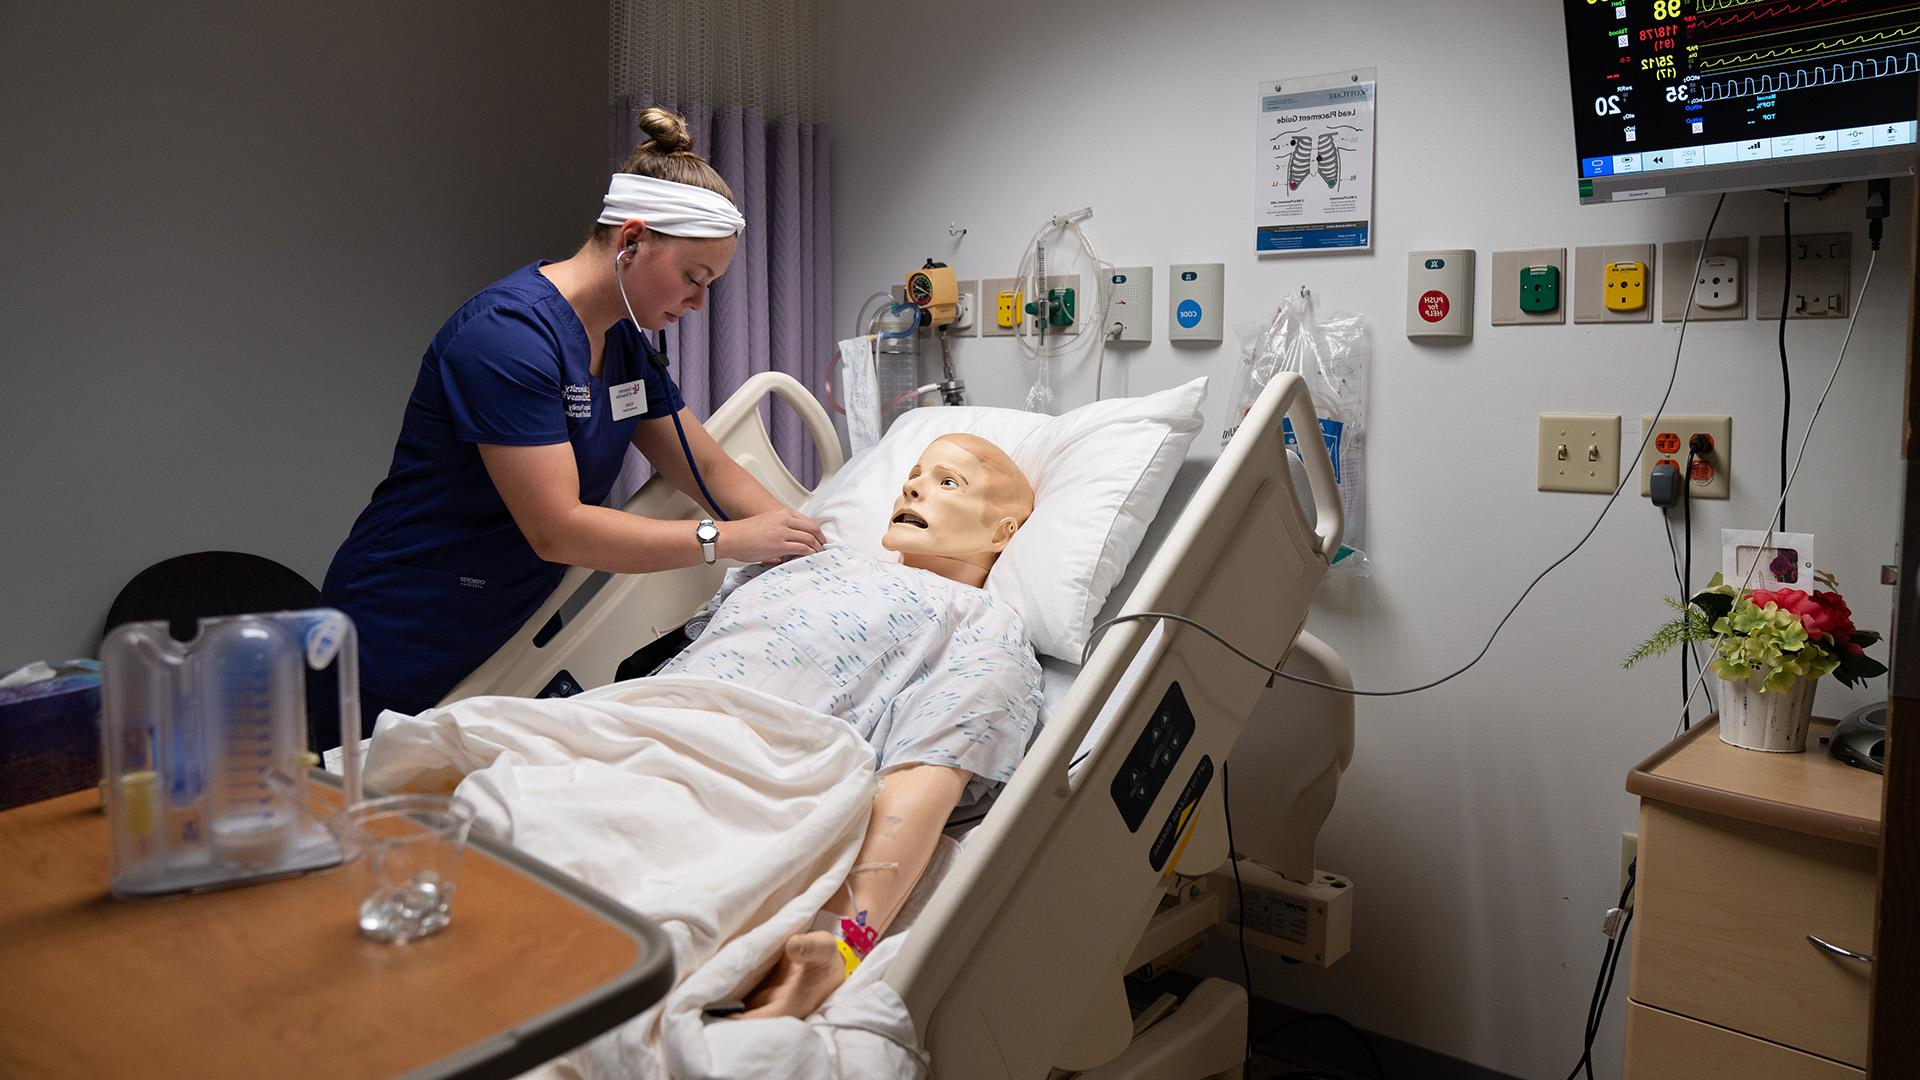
x=1742 y=855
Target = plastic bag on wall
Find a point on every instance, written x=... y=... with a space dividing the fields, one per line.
x=1331 y=353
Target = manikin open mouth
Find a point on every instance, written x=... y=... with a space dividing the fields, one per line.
x=908 y=517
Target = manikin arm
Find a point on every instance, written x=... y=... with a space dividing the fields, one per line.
x=912 y=807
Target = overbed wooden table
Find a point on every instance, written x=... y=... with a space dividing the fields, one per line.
x=274 y=980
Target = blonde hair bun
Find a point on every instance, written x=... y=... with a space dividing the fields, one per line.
x=666 y=130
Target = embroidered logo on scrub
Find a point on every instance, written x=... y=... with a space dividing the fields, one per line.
x=579 y=402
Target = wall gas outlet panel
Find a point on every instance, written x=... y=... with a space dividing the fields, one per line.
x=1196 y=301
x=1598 y=273
x=1529 y=286
x=1440 y=294
x=1720 y=291
x=1626 y=284
x=1539 y=289
x=1130 y=308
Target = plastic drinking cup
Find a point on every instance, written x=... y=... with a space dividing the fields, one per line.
x=405 y=855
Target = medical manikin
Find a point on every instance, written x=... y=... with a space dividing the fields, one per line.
x=927 y=665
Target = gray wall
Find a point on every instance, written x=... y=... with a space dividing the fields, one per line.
x=229 y=232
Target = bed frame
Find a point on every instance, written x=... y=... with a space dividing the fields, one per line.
x=1050 y=898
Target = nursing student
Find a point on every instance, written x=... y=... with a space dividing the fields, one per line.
x=525 y=404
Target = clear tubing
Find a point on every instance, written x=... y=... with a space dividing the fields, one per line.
x=1046 y=349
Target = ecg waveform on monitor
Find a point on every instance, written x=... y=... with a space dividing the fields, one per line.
x=1751 y=48
x=1802 y=77
x=1776 y=8
x=1747 y=13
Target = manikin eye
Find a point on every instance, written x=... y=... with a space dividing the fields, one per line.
x=950 y=482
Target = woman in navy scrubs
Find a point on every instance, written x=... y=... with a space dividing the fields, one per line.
x=526 y=401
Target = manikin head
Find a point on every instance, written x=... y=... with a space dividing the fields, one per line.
x=961 y=503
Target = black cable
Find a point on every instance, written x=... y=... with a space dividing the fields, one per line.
x=1673 y=550
x=1296 y=1021
x=1786 y=374
x=1686 y=588
x=1240 y=897
x=1603 y=982
x=660 y=361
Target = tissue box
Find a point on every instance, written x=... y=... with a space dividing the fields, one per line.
x=50 y=734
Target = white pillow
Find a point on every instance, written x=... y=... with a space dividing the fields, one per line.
x=1099 y=474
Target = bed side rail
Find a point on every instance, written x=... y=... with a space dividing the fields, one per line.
x=1060 y=869
x=594 y=619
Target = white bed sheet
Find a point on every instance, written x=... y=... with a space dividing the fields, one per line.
x=725 y=815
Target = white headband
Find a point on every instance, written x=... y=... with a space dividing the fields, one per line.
x=671 y=208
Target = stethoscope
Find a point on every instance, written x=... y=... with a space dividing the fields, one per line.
x=659 y=360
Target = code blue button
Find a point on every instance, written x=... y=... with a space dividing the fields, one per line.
x=1187 y=314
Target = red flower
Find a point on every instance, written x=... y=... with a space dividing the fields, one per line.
x=1839 y=616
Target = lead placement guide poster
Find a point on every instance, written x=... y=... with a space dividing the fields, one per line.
x=1313 y=163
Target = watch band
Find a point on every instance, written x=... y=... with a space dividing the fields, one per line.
x=709 y=535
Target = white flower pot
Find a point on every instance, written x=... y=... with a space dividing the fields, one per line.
x=1775 y=721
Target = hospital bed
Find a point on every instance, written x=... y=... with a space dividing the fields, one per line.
x=1093 y=857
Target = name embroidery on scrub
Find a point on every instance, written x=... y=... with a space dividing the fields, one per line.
x=579 y=402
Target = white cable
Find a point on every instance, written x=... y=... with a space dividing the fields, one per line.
x=1774 y=515
x=1693 y=647
x=1031 y=279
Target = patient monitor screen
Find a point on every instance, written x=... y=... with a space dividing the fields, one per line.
x=1719 y=95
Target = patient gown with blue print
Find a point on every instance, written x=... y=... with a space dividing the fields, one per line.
x=928 y=670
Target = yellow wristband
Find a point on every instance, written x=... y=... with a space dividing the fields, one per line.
x=848 y=957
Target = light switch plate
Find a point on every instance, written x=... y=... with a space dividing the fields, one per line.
x=1579 y=452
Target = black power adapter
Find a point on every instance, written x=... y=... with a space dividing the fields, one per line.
x=1663 y=486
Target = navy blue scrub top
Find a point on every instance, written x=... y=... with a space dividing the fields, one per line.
x=435 y=573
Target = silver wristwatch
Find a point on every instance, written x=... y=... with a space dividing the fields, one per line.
x=708 y=534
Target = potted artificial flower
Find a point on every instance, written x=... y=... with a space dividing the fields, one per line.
x=1769 y=646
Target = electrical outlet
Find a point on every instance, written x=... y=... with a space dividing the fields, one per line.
x=1520 y=281
x=1712 y=299
x=1579 y=452
x=1820 y=268
x=1710 y=479
x=1592 y=301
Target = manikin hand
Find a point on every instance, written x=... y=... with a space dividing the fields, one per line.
x=769 y=537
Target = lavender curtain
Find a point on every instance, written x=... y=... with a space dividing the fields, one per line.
x=772 y=311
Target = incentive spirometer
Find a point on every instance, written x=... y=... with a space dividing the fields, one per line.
x=203 y=747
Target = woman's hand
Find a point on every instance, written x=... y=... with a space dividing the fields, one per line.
x=769 y=538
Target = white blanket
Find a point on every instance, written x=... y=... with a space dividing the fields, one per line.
x=725 y=815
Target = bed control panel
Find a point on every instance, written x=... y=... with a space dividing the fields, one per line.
x=1150 y=763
